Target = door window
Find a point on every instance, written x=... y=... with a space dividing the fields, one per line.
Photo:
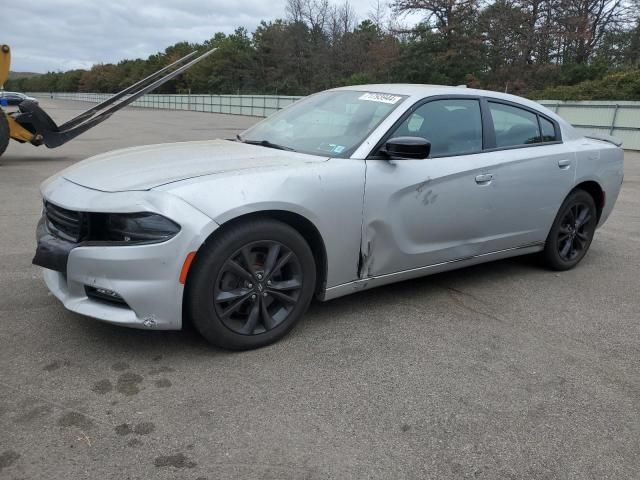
x=452 y=126
x=514 y=126
x=548 y=130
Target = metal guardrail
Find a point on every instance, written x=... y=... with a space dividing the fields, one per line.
x=251 y=105
x=620 y=119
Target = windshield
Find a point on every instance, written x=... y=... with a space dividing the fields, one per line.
x=331 y=123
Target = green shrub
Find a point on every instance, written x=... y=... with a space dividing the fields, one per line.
x=623 y=85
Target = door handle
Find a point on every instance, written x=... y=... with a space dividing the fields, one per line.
x=564 y=163
x=484 y=179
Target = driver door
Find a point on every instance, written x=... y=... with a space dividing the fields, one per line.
x=425 y=212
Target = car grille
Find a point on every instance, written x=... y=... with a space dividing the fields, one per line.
x=66 y=224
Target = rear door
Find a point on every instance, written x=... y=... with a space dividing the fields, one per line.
x=532 y=172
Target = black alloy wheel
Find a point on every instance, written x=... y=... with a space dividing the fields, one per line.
x=573 y=236
x=250 y=284
x=258 y=287
x=572 y=231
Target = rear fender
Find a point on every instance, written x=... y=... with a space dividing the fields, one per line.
x=603 y=164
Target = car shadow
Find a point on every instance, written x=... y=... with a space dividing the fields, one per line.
x=329 y=315
x=424 y=286
x=8 y=159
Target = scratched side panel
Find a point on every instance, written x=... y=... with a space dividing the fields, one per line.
x=423 y=212
x=329 y=194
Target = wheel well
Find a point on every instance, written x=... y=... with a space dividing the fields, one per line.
x=596 y=192
x=303 y=226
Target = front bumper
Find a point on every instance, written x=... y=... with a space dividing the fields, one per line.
x=146 y=277
x=51 y=252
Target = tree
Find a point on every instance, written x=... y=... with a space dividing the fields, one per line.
x=449 y=37
x=517 y=46
x=584 y=23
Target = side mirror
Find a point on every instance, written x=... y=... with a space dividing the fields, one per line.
x=407 y=147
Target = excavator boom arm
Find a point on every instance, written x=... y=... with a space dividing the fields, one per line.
x=15 y=131
x=5 y=63
x=34 y=125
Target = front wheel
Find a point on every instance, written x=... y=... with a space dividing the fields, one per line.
x=251 y=284
x=572 y=231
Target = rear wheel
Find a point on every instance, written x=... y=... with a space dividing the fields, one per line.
x=572 y=231
x=4 y=132
x=251 y=285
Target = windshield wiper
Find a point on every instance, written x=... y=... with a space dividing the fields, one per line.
x=265 y=143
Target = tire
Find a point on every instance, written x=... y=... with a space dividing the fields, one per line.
x=251 y=284
x=4 y=132
x=572 y=232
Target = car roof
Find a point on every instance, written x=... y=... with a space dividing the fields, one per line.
x=411 y=89
x=424 y=90
x=417 y=91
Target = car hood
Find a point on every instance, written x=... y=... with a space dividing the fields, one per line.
x=146 y=167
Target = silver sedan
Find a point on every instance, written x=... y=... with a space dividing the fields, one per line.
x=345 y=190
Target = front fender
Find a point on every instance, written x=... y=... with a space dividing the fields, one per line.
x=328 y=194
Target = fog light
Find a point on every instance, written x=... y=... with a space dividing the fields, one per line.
x=109 y=293
x=104 y=294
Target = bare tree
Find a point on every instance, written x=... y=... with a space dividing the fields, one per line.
x=583 y=24
x=342 y=20
x=378 y=13
x=448 y=17
x=314 y=13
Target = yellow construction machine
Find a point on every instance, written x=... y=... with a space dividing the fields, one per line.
x=32 y=124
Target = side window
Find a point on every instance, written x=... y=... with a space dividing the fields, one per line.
x=548 y=130
x=454 y=127
x=514 y=126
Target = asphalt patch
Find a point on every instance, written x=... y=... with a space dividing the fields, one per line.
x=75 y=419
x=128 y=384
x=179 y=460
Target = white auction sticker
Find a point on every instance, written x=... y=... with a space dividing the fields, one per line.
x=380 y=97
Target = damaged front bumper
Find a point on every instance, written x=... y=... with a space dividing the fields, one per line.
x=130 y=285
x=52 y=252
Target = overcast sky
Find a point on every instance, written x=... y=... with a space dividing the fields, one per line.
x=58 y=35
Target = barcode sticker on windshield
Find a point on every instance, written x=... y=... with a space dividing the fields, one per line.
x=380 y=97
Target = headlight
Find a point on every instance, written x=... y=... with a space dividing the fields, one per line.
x=114 y=228
x=139 y=227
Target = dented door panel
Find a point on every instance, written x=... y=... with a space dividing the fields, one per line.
x=423 y=212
